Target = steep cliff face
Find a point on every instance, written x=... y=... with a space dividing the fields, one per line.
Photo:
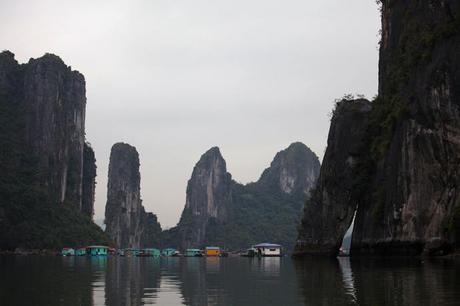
x=55 y=118
x=220 y=211
x=52 y=101
x=208 y=197
x=406 y=176
x=415 y=202
x=88 y=181
x=125 y=218
x=42 y=143
x=330 y=210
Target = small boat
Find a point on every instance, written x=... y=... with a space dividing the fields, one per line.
x=149 y=253
x=193 y=253
x=170 y=252
x=68 y=252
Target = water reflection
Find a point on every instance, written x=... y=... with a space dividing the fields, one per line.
x=406 y=281
x=226 y=281
x=323 y=282
x=347 y=277
x=132 y=281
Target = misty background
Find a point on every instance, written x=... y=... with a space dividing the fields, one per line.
x=176 y=77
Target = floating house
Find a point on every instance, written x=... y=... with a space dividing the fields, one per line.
x=80 y=252
x=212 y=251
x=68 y=252
x=193 y=253
x=169 y=252
x=97 y=250
x=149 y=253
x=268 y=250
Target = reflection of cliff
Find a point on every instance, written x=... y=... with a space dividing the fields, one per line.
x=321 y=282
x=377 y=282
x=132 y=281
x=406 y=282
x=237 y=281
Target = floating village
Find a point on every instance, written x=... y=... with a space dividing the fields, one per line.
x=258 y=250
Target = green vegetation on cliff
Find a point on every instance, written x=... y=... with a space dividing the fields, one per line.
x=30 y=218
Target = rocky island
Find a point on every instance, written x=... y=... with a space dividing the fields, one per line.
x=127 y=223
x=394 y=162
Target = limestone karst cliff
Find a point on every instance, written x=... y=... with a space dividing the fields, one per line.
x=292 y=171
x=331 y=207
x=220 y=211
x=208 y=198
x=42 y=154
x=127 y=223
x=406 y=175
x=88 y=181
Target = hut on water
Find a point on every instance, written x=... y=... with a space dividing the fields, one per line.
x=97 y=250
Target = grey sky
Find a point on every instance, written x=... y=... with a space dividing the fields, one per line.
x=176 y=77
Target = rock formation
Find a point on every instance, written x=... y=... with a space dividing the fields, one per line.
x=293 y=170
x=406 y=175
x=220 y=211
x=127 y=223
x=53 y=101
x=330 y=209
x=43 y=143
x=89 y=181
x=208 y=196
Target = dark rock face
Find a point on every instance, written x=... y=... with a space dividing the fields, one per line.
x=55 y=129
x=42 y=138
x=89 y=181
x=53 y=101
x=330 y=210
x=125 y=218
x=406 y=178
x=220 y=211
x=415 y=201
x=208 y=196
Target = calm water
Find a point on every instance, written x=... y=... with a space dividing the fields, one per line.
x=226 y=281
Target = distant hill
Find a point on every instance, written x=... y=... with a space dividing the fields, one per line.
x=222 y=212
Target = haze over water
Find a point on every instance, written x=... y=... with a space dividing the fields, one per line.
x=226 y=281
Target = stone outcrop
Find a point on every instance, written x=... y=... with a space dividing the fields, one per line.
x=53 y=102
x=330 y=209
x=293 y=170
x=89 y=181
x=208 y=196
x=126 y=221
x=47 y=181
x=220 y=211
x=406 y=177
x=55 y=129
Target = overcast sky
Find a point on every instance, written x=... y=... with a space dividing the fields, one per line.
x=176 y=77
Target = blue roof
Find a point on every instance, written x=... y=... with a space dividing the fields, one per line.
x=212 y=248
x=267 y=245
